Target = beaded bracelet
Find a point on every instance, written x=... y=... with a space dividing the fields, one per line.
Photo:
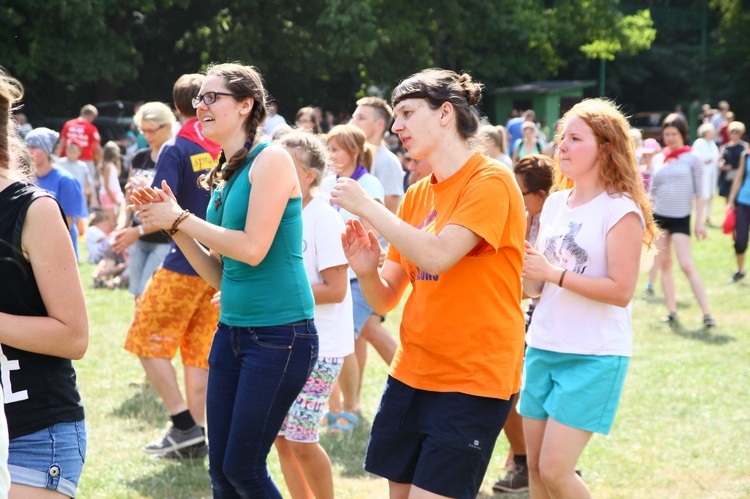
x=178 y=221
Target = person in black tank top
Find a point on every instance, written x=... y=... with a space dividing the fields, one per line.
x=43 y=326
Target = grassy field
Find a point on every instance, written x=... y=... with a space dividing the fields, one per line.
x=682 y=429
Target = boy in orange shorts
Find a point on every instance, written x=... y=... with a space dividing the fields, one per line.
x=175 y=309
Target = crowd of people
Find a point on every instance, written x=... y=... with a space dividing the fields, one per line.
x=269 y=253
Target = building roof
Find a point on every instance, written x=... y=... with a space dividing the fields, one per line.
x=546 y=86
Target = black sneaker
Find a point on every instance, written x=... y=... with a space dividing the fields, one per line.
x=670 y=319
x=175 y=439
x=709 y=321
x=516 y=480
x=195 y=451
x=737 y=276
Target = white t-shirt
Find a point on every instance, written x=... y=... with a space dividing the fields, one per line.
x=321 y=249
x=575 y=239
x=97 y=243
x=109 y=177
x=369 y=183
x=272 y=122
x=387 y=168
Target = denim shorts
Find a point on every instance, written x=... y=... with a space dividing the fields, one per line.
x=439 y=441
x=51 y=458
x=362 y=309
x=580 y=391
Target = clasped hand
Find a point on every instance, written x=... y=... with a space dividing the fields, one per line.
x=156 y=208
x=349 y=195
x=535 y=265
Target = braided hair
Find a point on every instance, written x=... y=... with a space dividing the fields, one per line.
x=244 y=82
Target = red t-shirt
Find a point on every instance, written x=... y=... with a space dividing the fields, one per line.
x=86 y=133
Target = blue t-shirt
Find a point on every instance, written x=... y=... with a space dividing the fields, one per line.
x=66 y=189
x=513 y=127
x=744 y=195
x=181 y=162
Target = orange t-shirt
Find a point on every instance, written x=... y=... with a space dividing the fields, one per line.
x=463 y=330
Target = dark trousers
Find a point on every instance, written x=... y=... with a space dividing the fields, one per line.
x=254 y=375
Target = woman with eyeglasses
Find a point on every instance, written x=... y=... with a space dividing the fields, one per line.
x=266 y=344
x=147 y=250
x=307 y=120
x=673 y=188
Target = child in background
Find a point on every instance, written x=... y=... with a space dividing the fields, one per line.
x=647 y=152
x=80 y=171
x=108 y=272
x=304 y=463
x=110 y=192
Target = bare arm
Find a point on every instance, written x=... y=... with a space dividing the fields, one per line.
x=433 y=253
x=737 y=182
x=333 y=287
x=382 y=289
x=274 y=180
x=624 y=244
x=392 y=202
x=65 y=331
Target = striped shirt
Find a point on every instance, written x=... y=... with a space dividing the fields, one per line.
x=675 y=185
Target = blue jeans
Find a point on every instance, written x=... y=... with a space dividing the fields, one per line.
x=145 y=258
x=254 y=375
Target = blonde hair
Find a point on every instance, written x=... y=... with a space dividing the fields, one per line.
x=155 y=112
x=736 y=125
x=307 y=151
x=618 y=165
x=495 y=133
x=111 y=154
x=354 y=141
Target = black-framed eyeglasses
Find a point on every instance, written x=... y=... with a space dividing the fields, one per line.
x=145 y=131
x=209 y=98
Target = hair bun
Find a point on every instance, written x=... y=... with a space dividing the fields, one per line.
x=472 y=90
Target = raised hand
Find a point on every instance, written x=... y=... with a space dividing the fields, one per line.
x=361 y=248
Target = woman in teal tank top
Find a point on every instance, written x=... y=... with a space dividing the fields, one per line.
x=266 y=344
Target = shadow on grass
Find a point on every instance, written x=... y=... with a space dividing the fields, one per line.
x=703 y=334
x=186 y=478
x=348 y=450
x=145 y=405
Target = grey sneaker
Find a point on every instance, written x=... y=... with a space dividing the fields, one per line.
x=175 y=439
x=195 y=451
x=516 y=480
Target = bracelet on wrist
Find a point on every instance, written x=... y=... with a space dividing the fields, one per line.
x=140 y=230
x=178 y=221
x=562 y=277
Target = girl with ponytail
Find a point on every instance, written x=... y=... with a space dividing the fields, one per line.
x=266 y=343
x=351 y=157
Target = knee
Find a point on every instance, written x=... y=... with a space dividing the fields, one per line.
x=302 y=451
x=551 y=473
x=688 y=268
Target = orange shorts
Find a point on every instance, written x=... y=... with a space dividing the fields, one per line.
x=174 y=311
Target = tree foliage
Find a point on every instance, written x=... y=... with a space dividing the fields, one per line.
x=328 y=52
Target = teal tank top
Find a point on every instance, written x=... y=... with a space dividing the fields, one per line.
x=277 y=290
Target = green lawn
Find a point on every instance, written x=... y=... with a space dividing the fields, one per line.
x=682 y=429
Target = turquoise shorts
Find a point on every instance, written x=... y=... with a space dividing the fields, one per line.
x=580 y=391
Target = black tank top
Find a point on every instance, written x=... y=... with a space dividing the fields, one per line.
x=38 y=390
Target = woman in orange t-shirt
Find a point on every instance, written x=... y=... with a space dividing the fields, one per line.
x=458 y=239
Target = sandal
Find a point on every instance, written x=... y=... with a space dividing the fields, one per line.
x=348 y=427
x=331 y=418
